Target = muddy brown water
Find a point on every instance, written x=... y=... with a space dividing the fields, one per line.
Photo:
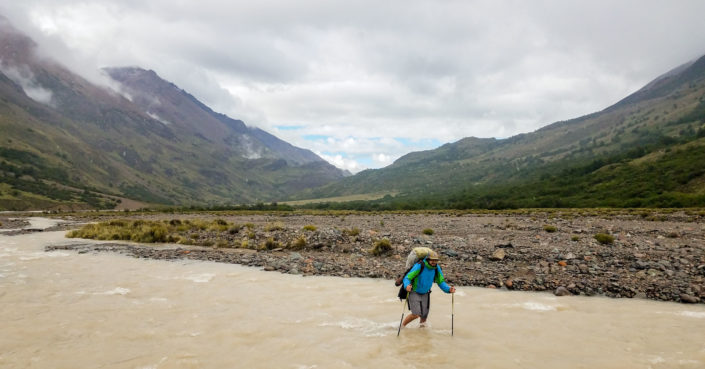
x=70 y=310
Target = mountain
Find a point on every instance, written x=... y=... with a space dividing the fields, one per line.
x=646 y=150
x=67 y=142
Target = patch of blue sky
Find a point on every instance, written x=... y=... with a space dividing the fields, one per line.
x=315 y=137
x=365 y=161
x=288 y=128
x=424 y=143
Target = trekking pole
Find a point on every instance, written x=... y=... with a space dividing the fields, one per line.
x=402 y=312
x=452 y=312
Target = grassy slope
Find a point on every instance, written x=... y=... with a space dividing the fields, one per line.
x=461 y=172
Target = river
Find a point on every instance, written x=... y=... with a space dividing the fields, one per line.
x=70 y=310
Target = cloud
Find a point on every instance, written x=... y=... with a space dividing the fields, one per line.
x=363 y=73
x=342 y=162
x=24 y=77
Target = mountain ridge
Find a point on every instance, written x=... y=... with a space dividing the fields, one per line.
x=62 y=131
x=666 y=114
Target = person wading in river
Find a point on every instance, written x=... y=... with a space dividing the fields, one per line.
x=418 y=283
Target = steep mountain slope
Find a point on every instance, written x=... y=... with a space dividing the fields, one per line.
x=61 y=133
x=179 y=110
x=667 y=115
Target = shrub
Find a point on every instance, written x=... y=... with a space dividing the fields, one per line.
x=428 y=231
x=575 y=238
x=221 y=243
x=234 y=229
x=218 y=225
x=249 y=225
x=270 y=244
x=352 y=232
x=244 y=244
x=382 y=246
x=604 y=238
x=310 y=228
x=278 y=226
x=672 y=235
x=150 y=233
x=550 y=228
x=300 y=243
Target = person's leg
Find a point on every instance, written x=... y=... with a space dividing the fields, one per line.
x=425 y=309
x=409 y=319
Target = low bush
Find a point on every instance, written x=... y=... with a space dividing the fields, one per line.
x=550 y=228
x=352 y=231
x=270 y=244
x=299 y=243
x=310 y=228
x=218 y=225
x=604 y=238
x=278 y=226
x=428 y=231
x=381 y=247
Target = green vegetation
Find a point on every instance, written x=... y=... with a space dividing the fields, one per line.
x=352 y=231
x=604 y=238
x=382 y=247
x=299 y=243
x=270 y=244
x=549 y=228
x=650 y=177
x=310 y=228
x=30 y=181
x=428 y=231
x=137 y=230
x=575 y=238
x=276 y=226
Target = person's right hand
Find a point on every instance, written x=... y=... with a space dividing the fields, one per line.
x=408 y=288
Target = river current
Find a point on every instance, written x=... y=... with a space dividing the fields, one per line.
x=98 y=310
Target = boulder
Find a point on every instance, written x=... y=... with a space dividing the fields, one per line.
x=562 y=291
x=689 y=299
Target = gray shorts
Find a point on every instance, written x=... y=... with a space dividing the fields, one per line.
x=419 y=304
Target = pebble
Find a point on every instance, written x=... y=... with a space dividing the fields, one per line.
x=498 y=255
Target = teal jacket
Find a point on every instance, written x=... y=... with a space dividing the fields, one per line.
x=423 y=279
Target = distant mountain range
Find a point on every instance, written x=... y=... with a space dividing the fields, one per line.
x=646 y=150
x=68 y=143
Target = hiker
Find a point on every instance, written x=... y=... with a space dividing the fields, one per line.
x=418 y=282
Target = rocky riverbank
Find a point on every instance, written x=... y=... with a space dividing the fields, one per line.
x=655 y=256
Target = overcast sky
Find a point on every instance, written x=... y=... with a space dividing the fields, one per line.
x=362 y=83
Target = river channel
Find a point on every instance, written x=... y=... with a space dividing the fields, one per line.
x=69 y=310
